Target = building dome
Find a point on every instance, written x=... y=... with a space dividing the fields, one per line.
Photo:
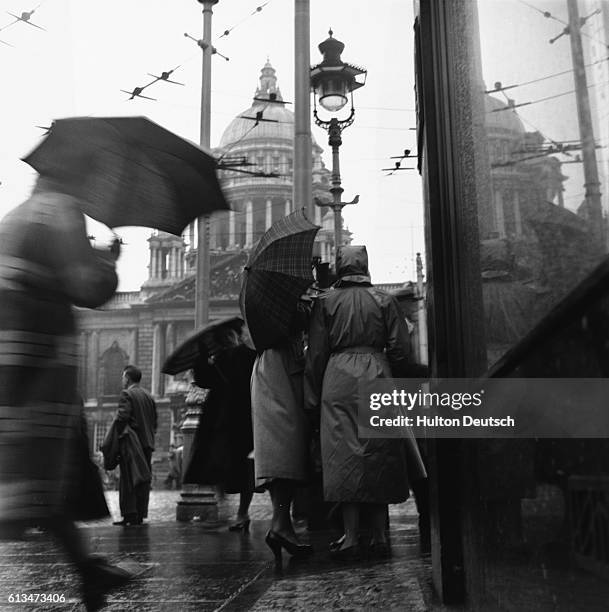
x=258 y=145
x=240 y=129
x=500 y=118
x=268 y=101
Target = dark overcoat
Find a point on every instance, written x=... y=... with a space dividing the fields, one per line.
x=223 y=439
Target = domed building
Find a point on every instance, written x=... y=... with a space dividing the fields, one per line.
x=260 y=141
x=521 y=175
x=143 y=327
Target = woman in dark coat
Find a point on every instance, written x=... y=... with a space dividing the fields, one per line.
x=356 y=334
x=46 y=266
x=223 y=441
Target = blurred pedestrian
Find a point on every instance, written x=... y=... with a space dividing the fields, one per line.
x=357 y=334
x=47 y=265
x=223 y=441
x=175 y=467
x=280 y=435
x=137 y=412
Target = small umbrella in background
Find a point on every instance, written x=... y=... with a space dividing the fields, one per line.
x=130 y=171
x=278 y=272
x=191 y=350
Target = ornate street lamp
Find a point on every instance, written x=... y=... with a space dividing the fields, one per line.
x=333 y=82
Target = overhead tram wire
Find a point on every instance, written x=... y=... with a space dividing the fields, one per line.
x=544 y=78
x=564 y=93
x=549 y=15
x=214 y=50
x=257 y=10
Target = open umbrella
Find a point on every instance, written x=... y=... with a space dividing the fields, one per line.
x=188 y=352
x=130 y=171
x=278 y=272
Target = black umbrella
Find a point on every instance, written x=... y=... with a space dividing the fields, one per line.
x=130 y=171
x=190 y=351
x=278 y=272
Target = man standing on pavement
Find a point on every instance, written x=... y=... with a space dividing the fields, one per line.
x=136 y=411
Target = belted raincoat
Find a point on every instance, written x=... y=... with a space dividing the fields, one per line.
x=356 y=334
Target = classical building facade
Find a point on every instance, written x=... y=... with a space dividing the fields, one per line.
x=143 y=327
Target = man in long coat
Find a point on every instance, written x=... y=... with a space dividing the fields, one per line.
x=137 y=410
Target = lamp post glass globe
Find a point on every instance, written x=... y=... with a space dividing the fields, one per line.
x=332 y=79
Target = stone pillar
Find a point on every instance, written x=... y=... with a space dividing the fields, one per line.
x=269 y=214
x=157 y=356
x=249 y=223
x=231 y=228
x=135 y=338
x=196 y=501
x=82 y=370
x=159 y=267
x=288 y=207
x=95 y=364
x=499 y=216
x=517 y=215
x=151 y=264
x=191 y=235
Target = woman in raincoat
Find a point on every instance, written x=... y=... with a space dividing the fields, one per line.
x=356 y=334
x=280 y=435
x=46 y=266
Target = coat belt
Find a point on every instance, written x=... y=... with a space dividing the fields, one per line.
x=357 y=349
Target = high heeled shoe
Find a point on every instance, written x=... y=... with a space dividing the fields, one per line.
x=277 y=542
x=336 y=544
x=243 y=525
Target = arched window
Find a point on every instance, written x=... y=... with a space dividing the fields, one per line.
x=112 y=362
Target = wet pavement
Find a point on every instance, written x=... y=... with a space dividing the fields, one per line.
x=187 y=567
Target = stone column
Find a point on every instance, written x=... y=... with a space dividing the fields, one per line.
x=269 y=214
x=231 y=228
x=151 y=265
x=517 y=216
x=135 y=338
x=191 y=235
x=95 y=363
x=249 y=223
x=288 y=207
x=82 y=370
x=157 y=356
x=499 y=216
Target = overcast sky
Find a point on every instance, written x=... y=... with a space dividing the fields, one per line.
x=91 y=50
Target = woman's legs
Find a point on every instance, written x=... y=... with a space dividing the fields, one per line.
x=282 y=493
x=351 y=514
x=245 y=499
x=378 y=519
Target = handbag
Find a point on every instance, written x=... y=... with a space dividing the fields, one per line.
x=196 y=395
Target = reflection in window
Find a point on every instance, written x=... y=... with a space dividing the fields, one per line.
x=549 y=163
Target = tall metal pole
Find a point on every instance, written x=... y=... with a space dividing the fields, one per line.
x=302 y=195
x=335 y=140
x=203 y=225
x=586 y=131
x=200 y=501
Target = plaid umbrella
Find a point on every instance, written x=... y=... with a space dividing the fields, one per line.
x=130 y=171
x=186 y=354
x=278 y=272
